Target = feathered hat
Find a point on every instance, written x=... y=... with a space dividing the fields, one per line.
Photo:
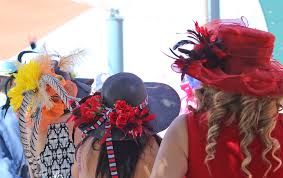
x=42 y=93
x=230 y=56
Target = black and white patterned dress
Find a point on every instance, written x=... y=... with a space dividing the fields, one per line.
x=56 y=160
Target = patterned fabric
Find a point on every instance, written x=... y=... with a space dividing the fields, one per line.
x=111 y=154
x=58 y=155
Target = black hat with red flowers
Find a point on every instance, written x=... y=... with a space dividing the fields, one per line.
x=127 y=108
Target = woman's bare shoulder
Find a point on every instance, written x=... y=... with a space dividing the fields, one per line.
x=172 y=157
x=180 y=121
x=176 y=137
x=178 y=129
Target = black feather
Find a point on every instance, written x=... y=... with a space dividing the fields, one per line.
x=174 y=53
x=185 y=51
x=203 y=48
x=21 y=54
x=182 y=43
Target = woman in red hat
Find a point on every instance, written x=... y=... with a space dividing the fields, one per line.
x=236 y=129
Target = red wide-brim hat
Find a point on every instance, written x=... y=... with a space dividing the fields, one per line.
x=229 y=56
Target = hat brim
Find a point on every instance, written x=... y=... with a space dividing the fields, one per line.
x=84 y=86
x=254 y=81
x=163 y=101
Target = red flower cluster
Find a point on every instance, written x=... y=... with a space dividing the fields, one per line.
x=91 y=107
x=128 y=118
x=88 y=111
x=123 y=116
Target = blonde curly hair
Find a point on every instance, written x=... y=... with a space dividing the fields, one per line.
x=255 y=116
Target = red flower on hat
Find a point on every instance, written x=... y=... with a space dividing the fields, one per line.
x=91 y=107
x=123 y=116
x=129 y=119
x=88 y=111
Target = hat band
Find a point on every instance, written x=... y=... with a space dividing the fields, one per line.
x=144 y=103
x=107 y=138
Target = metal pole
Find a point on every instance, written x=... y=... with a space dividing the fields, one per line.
x=213 y=9
x=205 y=10
x=115 y=42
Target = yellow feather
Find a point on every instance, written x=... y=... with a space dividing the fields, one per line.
x=26 y=79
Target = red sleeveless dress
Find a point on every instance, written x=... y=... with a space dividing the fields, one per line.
x=228 y=156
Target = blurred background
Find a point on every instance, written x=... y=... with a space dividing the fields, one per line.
x=123 y=35
x=146 y=28
x=117 y=35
